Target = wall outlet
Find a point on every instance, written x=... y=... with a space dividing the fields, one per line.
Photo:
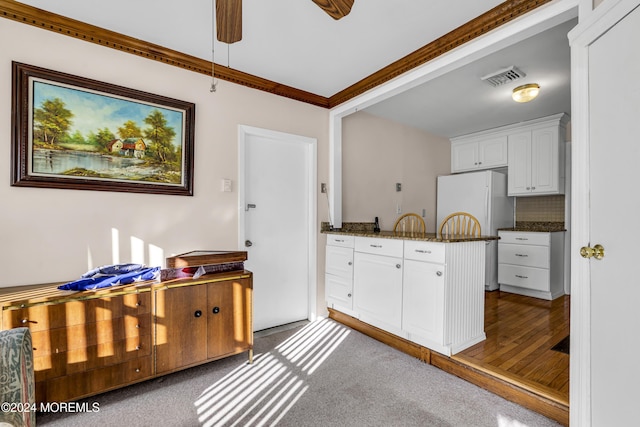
x=226 y=185
x=398 y=186
x=398 y=209
x=323 y=187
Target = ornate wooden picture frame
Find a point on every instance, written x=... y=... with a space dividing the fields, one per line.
x=76 y=133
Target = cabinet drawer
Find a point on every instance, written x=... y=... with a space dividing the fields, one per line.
x=385 y=247
x=524 y=277
x=72 y=387
x=524 y=238
x=92 y=357
x=340 y=240
x=526 y=255
x=424 y=251
x=61 y=340
x=50 y=316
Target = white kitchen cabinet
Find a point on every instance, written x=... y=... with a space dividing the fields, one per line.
x=339 y=272
x=536 y=158
x=531 y=263
x=470 y=153
x=377 y=282
x=423 y=305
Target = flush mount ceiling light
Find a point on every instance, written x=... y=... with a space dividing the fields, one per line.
x=526 y=93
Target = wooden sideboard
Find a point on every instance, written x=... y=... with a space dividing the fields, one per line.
x=89 y=342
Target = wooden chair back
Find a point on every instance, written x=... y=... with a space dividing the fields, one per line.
x=409 y=223
x=460 y=224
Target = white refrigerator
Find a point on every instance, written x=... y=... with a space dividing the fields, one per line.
x=483 y=195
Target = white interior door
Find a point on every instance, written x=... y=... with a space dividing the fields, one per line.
x=277 y=212
x=615 y=206
x=605 y=293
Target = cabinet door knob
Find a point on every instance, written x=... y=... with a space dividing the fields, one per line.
x=398 y=266
x=349 y=295
x=215 y=310
x=197 y=313
x=438 y=273
x=350 y=263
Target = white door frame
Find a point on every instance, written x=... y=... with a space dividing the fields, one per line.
x=312 y=153
x=597 y=23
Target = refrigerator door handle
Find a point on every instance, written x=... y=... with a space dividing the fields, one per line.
x=486 y=206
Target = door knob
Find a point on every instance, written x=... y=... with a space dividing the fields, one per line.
x=248 y=243
x=596 y=252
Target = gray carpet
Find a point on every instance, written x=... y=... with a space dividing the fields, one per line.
x=319 y=374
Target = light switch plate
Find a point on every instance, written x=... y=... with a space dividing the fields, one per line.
x=226 y=185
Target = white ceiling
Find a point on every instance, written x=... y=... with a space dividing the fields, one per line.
x=295 y=43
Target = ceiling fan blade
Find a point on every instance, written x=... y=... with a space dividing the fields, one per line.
x=229 y=20
x=335 y=8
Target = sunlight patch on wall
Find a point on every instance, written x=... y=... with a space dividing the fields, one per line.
x=263 y=393
x=156 y=256
x=115 y=246
x=137 y=250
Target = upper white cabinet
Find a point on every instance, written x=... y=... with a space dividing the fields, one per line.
x=478 y=152
x=537 y=158
x=534 y=152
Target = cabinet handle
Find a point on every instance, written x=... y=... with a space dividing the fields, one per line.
x=438 y=273
x=139 y=303
x=25 y=321
x=138 y=326
x=398 y=266
x=137 y=370
x=533 y=188
x=376 y=246
x=422 y=251
x=215 y=310
x=521 y=238
x=198 y=313
x=349 y=295
x=522 y=255
x=521 y=277
x=340 y=240
x=138 y=347
x=350 y=263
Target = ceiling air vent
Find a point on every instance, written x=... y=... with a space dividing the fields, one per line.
x=501 y=77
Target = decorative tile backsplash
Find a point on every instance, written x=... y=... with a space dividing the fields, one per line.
x=540 y=209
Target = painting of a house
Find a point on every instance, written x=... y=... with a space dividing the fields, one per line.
x=130 y=147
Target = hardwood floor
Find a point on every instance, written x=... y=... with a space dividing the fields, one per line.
x=521 y=332
x=515 y=361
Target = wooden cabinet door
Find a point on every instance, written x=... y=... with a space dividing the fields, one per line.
x=181 y=327
x=229 y=317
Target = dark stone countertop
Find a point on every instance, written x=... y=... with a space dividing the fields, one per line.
x=364 y=230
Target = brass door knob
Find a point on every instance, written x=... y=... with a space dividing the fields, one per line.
x=596 y=252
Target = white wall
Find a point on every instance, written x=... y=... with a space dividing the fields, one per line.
x=377 y=154
x=50 y=235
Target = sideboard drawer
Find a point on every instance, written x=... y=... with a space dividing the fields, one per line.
x=377 y=246
x=525 y=255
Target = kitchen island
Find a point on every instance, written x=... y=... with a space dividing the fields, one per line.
x=419 y=288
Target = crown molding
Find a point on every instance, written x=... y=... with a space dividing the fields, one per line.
x=501 y=14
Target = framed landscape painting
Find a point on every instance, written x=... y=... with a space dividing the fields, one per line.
x=76 y=133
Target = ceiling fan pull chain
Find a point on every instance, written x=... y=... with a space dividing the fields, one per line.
x=213 y=47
